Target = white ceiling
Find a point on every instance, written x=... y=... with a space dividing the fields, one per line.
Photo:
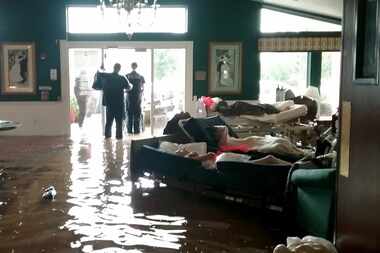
x=330 y=8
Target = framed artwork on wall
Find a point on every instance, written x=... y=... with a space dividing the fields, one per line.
x=225 y=68
x=18 y=69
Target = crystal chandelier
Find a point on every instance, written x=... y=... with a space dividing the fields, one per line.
x=129 y=12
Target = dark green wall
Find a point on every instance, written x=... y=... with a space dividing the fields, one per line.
x=225 y=20
x=43 y=22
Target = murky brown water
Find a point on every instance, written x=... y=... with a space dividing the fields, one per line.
x=98 y=208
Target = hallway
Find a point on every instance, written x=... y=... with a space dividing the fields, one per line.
x=99 y=209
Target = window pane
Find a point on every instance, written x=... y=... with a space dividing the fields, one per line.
x=275 y=21
x=330 y=80
x=111 y=22
x=282 y=70
x=366 y=65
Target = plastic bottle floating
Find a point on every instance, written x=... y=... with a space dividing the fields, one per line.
x=49 y=193
x=3 y=176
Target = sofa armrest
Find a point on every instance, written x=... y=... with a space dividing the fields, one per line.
x=263 y=179
x=314 y=201
x=318 y=178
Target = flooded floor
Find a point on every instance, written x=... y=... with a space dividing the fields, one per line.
x=98 y=209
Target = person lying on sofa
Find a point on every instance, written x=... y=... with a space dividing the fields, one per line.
x=208 y=159
x=196 y=151
x=240 y=108
x=266 y=144
x=194 y=155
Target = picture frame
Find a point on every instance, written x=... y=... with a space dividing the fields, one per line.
x=18 y=69
x=225 y=68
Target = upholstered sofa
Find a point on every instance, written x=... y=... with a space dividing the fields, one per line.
x=263 y=185
x=313 y=200
x=258 y=185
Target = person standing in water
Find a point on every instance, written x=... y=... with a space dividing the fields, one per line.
x=134 y=99
x=113 y=91
x=82 y=93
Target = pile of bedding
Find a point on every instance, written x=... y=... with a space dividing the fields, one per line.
x=212 y=140
x=286 y=111
x=249 y=111
x=197 y=151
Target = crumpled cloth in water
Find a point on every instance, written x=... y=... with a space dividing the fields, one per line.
x=308 y=244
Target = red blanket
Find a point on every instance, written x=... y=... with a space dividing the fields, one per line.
x=242 y=148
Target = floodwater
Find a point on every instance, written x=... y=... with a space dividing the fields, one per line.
x=99 y=209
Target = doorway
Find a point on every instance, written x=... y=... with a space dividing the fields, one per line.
x=86 y=110
x=166 y=67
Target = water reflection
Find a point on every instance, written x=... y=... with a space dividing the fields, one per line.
x=99 y=209
x=101 y=195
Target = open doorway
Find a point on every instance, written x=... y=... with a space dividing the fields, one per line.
x=166 y=70
x=164 y=90
x=168 y=92
x=125 y=57
x=86 y=110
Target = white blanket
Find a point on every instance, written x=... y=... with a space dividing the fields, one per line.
x=171 y=147
x=294 y=112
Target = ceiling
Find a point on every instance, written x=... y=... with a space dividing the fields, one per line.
x=329 y=8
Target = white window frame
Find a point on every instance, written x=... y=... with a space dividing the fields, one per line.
x=147 y=32
x=300 y=17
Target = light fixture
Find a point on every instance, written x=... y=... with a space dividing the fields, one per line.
x=129 y=12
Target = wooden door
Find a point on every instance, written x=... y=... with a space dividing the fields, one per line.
x=358 y=209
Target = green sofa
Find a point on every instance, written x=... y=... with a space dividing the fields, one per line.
x=260 y=185
x=313 y=194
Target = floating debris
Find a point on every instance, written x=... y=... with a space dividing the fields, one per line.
x=75 y=245
x=3 y=176
x=49 y=193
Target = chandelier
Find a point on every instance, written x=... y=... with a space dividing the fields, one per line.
x=130 y=12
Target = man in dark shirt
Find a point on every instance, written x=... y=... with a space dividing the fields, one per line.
x=134 y=100
x=113 y=92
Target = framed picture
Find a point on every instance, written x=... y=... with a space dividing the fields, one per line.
x=18 y=69
x=225 y=68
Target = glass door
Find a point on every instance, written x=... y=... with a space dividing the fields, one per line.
x=164 y=89
x=166 y=67
x=144 y=67
x=85 y=103
x=168 y=94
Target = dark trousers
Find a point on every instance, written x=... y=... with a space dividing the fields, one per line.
x=134 y=118
x=117 y=115
x=82 y=104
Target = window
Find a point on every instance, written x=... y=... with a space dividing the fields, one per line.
x=282 y=70
x=292 y=23
x=288 y=70
x=96 y=22
x=330 y=80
